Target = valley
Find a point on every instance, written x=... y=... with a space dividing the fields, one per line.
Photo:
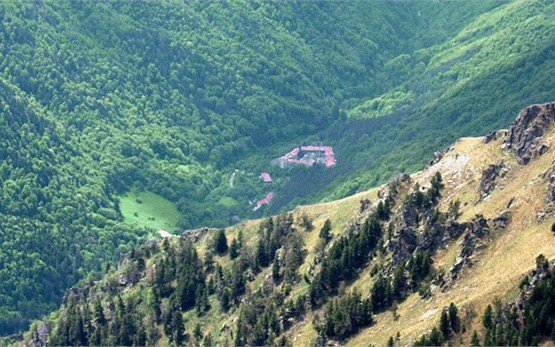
x=121 y=119
x=478 y=244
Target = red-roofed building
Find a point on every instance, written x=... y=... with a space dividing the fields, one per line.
x=266 y=178
x=308 y=156
x=267 y=199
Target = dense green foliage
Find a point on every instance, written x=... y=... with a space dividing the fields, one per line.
x=98 y=99
x=470 y=84
x=344 y=316
x=179 y=281
x=345 y=257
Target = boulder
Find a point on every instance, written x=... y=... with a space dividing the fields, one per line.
x=405 y=243
x=437 y=156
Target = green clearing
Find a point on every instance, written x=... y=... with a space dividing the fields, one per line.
x=146 y=209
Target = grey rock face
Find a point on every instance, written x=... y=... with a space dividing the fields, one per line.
x=490 y=177
x=475 y=239
x=525 y=134
x=490 y=136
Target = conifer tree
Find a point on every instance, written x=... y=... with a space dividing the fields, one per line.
x=99 y=317
x=325 y=232
x=234 y=249
x=454 y=320
x=399 y=282
x=475 y=340
x=261 y=255
x=444 y=324
x=488 y=318
x=220 y=242
x=382 y=294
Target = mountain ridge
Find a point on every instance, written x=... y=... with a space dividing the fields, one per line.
x=472 y=223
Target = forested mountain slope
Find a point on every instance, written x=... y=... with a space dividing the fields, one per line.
x=423 y=253
x=100 y=99
x=470 y=84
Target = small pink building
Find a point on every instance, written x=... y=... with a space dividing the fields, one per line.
x=266 y=178
x=267 y=199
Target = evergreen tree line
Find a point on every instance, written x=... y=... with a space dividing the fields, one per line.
x=345 y=257
x=344 y=316
x=351 y=253
x=529 y=325
x=449 y=325
x=180 y=281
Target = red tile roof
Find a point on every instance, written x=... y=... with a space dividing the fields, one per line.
x=266 y=177
x=292 y=156
x=266 y=200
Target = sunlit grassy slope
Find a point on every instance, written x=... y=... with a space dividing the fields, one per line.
x=496 y=271
x=500 y=267
x=146 y=209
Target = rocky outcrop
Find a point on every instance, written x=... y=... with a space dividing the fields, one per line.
x=549 y=208
x=476 y=238
x=490 y=177
x=404 y=245
x=440 y=235
x=437 y=156
x=40 y=335
x=550 y=176
x=391 y=189
x=525 y=134
x=491 y=136
x=502 y=220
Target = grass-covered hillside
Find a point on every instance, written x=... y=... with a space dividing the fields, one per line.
x=101 y=101
x=461 y=252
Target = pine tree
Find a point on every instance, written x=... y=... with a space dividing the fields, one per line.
x=178 y=328
x=436 y=339
x=488 y=318
x=197 y=333
x=261 y=255
x=444 y=324
x=454 y=319
x=382 y=211
x=475 y=341
x=436 y=185
x=234 y=249
x=225 y=300
x=382 y=294
x=99 y=317
x=140 y=336
x=325 y=232
x=390 y=342
x=306 y=222
x=399 y=282
x=275 y=271
x=207 y=341
x=208 y=261
x=220 y=242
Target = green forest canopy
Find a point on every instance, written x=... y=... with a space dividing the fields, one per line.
x=99 y=98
